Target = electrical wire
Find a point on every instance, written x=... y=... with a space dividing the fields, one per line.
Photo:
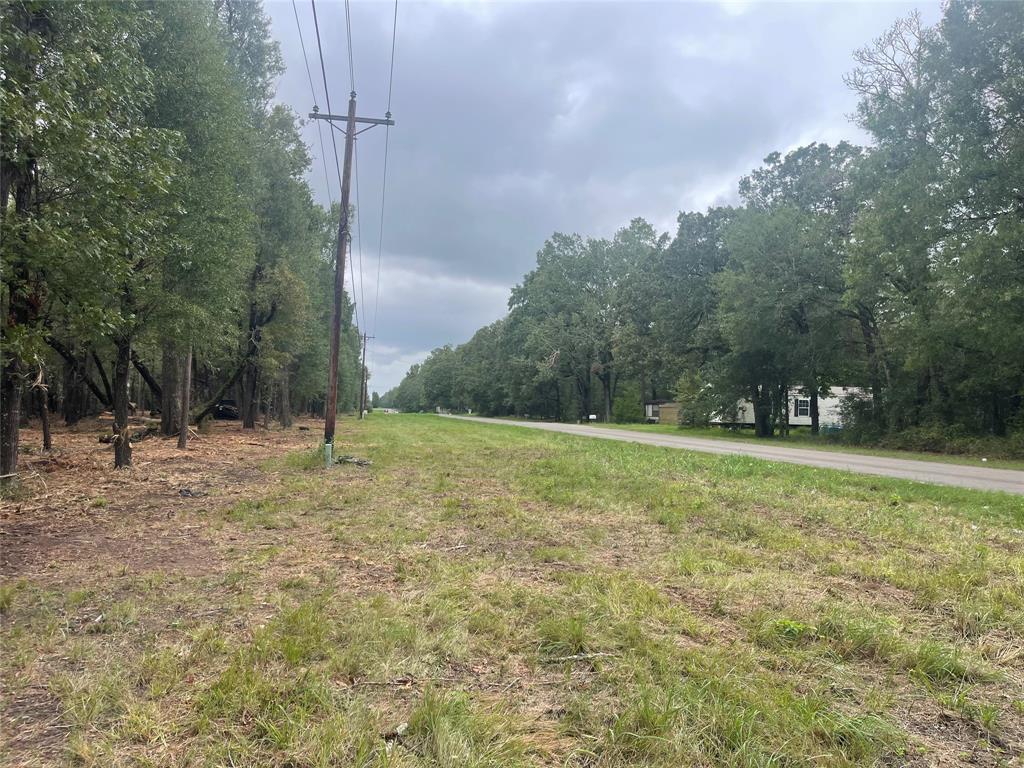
x=312 y=91
x=384 y=179
x=359 y=233
x=391 y=76
x=327 y=93
x=351 y=58
x=334 y=142
x=387 y=136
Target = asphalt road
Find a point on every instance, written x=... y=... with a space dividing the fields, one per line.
x=965 y=476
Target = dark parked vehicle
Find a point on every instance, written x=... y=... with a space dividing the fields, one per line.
x=225 y=409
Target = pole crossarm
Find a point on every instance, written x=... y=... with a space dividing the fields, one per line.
x=344 y=118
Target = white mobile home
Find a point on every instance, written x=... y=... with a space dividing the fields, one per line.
x=829 y=409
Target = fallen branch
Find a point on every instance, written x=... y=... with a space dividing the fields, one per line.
x=583 y=656
x=444 y=549
x=135 y=437
x=353 y=460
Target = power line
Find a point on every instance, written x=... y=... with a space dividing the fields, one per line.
x=327 y=91
x=305 y=57
x=334 y=142
x=344 y=224
x=312 y=91
x=351 y=64
x=359 y=234
x=380 y=230
x=352 y=274
x=391 y=76
x=360 y=305
x=384 y=178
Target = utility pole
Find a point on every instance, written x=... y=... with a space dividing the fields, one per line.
x=331 y=408
x=362 y=390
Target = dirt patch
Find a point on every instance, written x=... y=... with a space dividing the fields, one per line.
x=32 y=726
x=939 y=738
x=75 y=510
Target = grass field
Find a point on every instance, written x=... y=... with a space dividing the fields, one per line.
x=492 y=596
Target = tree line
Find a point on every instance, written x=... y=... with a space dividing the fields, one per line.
x=157 y=227
x=897 y=267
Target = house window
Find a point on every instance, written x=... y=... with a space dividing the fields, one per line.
x=655 y=411
x=803 y=406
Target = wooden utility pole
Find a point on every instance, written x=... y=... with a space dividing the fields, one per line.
x=362 y=389
x=331 y=408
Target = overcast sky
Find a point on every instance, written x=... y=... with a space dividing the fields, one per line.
x=516 y=120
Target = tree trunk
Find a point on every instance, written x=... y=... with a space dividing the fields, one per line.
x=762 y=413
x=998 y=416
x=147 y=377
x=103 y=375
x=170 y=389
x=10 y=419
x=74 y=395
x=250 y=397
x=122 y=444
x=583 y=388
x=267 y=399
x=815 y=420
x=81 y=369
x=186 y=389
x=219 y=394
x=784 y=411
x=607 y=385
x=286 y=400
x=18 y=177
x=44 y=414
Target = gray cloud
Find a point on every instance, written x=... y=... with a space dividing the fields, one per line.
x=515 y=120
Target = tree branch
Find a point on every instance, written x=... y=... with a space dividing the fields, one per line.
x=208 y=408
x=79 y=369
x=103 y=376
x=154 y=386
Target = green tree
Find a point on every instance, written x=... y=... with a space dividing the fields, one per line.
x=819 y=182
x=79 y=171
x=777 y=299
x=937 y=252
x=210 y=228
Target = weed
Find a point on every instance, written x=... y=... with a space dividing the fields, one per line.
x=984 y=715
x=555 y=555
x=772 y=632
x=860 y=738
x=941 y=664
x=264 y=513
x=448 y=731
x=7 y=592
x=562 y=636
x=859 y=637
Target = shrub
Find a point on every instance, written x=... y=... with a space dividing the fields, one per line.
x=695 y=408
x=627 y=408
